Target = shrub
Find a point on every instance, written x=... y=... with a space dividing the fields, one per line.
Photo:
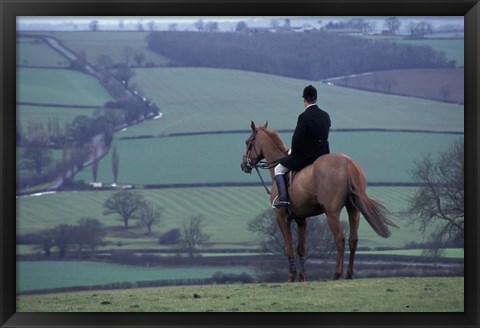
x=170 y=237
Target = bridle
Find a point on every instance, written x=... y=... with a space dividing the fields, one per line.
x=248 y=161
x=262 y=164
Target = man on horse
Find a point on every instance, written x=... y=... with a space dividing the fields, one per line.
x=309 y=141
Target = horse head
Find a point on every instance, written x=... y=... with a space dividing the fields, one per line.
x=253 y=153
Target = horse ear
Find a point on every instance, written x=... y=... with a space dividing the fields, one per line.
x=265 y=125
x=253 y=126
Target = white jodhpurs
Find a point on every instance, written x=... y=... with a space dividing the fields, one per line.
x=280 y=169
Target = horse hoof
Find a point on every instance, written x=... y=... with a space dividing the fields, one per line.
x=337 y=276
x=350 y=276
x=301 y=278
x=291 y=278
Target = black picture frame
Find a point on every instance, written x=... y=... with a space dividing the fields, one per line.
x=10 y=9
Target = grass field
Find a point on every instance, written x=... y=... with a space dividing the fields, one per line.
x=362 y=295
x=196 y=99
x=34 y=52
x=385 y=157
x=42 y=114
x=428 y=83
x=36 y=275
x=453 y=48
x=110 y=44
x=52 y=86
x=227 y=210
x=449 y=252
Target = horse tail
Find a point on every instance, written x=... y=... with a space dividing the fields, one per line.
x=374 y=212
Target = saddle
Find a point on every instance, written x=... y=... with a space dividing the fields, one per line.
x=289 y=178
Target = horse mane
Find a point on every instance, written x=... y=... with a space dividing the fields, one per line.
x=275 y=137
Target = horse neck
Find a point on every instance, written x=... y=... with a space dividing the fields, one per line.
x=271 y=152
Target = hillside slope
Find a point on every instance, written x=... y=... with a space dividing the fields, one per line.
x=198 y=99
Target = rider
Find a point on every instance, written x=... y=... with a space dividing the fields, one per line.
x=309 y=141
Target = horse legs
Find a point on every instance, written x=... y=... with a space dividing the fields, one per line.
x=284 y=224
x=302 y=235
x=354 y=220
x=333 y=220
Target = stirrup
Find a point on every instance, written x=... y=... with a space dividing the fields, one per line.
x=280 y=204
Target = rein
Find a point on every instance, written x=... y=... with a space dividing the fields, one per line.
x=263 y=164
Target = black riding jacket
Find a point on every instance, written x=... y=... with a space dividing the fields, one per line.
x=310 y=139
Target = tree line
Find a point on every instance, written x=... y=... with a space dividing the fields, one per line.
x=312 y=56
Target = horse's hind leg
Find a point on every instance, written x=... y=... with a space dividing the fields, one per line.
x=354 y=220
x=302 y=235
x=284 y=224
x=333 y=220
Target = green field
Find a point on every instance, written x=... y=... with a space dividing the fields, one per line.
x=449 y=252
x=52 y=86
x=362 y=295
x=42 y=114
x=110 y=44
x=453 y=48
x=227 y=210
x=35 y=52
x=35 y=275
x=196 y=99
x=385 y=157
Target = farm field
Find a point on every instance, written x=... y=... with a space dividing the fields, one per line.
x=451 y=45
x=385 y=157
x=34 y=52
x=360 y=295
x=53 y=86
x=33 y=275
x=453 y=48
x=227 y=210
x=234 y=98
x=110 y=43
x=436 y=84
x=42 y=114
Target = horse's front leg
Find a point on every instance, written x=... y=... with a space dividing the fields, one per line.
x=284 y=224
x=302 y=235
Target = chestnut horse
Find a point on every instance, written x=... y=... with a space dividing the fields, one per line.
x=332 y=182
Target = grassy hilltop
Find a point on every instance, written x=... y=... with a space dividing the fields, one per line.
x=363 y=295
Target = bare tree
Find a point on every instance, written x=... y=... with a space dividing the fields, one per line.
x=199 y=25
x=193 y=234
x=127 y=54
x=150 y=214
x=440 y=201
x=115 y=164
x=124 y=203
x=95 y=169
x=139 y=58
x=124 y=73
x=421 y=29
x=445 y=92
x=319 y=243
x=392 y=24
x=152 y=25
x=93 y=26
x=105 y=61
x=240 y=26
x=36 y=155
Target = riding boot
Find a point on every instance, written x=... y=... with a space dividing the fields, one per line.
x=281 y=201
